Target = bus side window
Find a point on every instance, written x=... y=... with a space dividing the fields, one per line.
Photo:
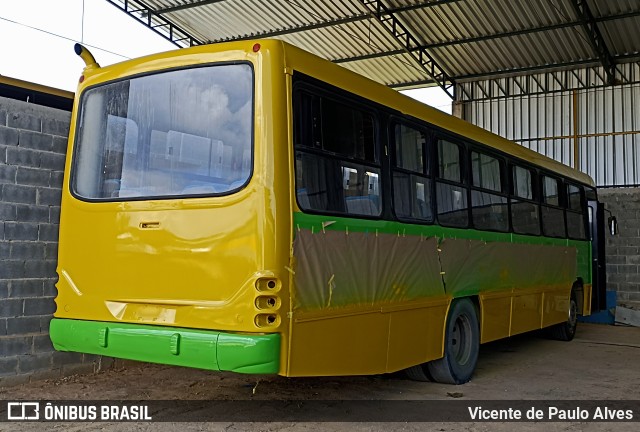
x=575 y=212
x=318 y=183
x=489 y=207
x=361 y=189
x=347 y=131
x=411 y=185
x=525 y=211
x=552 y=213
x=307 y=126
x=336 y=162
x=451 y=194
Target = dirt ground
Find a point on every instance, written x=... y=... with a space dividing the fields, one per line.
x=603 y=362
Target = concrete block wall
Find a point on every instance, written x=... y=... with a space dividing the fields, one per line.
x=623 y=250
x=33 y=141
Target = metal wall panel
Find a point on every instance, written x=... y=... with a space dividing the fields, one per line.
x=596 y=130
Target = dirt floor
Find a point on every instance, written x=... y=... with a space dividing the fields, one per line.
x=603 y=362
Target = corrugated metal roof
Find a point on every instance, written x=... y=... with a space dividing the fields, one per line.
x=394 y=70
x=467 y=39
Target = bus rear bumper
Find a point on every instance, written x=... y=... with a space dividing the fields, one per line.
x=202 y=349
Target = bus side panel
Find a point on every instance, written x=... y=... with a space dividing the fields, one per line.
x=523 y=286
x=346 y=345
x=587 y=299
x=495 y=315
x=556 y=305
x=508 y=313
x=585 y=274
x=337 y=269
x=417 y=335
x=473 y=266
x=368 y=341
x=526 y=310
x=354 y=296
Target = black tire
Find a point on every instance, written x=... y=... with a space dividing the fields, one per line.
x=462 y=345
x=418 y=373
x=566 y=331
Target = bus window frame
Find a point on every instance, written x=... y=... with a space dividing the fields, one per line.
x=504 y=185
x=303 y=83
x=542 y=174
x=536 y=192
x=464 y=169
x=385 y=117
x=427 y=165
x=583 y=209
x=74 y=146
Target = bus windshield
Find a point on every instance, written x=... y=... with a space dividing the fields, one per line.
x=172 y=134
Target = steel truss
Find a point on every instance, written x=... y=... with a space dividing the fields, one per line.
x=594 y=76
x=411 y=45
x=595 y=38
x=156 y=22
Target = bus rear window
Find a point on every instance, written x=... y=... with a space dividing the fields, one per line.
x=179 y=133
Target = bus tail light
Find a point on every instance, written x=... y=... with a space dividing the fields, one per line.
x=267 y=302
x=267 y=320
x=267 y=284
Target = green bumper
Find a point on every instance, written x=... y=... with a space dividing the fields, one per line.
x=202 y=349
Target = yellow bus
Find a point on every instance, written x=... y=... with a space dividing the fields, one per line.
x=250 y=207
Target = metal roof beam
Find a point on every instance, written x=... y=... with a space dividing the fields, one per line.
x=520 y=72
x=463 y=79
x=333 y=22
x=595 y=38
x=186 y=6
x=488 y=37
x=543 y=68
x=566 y=79
x=411 y=45
x=144 y=14
x=525 y=70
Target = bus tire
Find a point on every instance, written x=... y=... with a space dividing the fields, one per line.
x=418 y=373
x=462 y=345
x=566 y=331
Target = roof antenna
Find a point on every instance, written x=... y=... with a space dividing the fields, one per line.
x=86 y=56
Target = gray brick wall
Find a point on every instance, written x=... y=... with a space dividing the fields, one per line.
x=623 y=250
x=33 y=143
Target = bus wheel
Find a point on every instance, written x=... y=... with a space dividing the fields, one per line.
x=418 y=373
x=567 y=330
x=462 y=345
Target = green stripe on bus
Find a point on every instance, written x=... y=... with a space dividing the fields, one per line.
x=316 y=222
